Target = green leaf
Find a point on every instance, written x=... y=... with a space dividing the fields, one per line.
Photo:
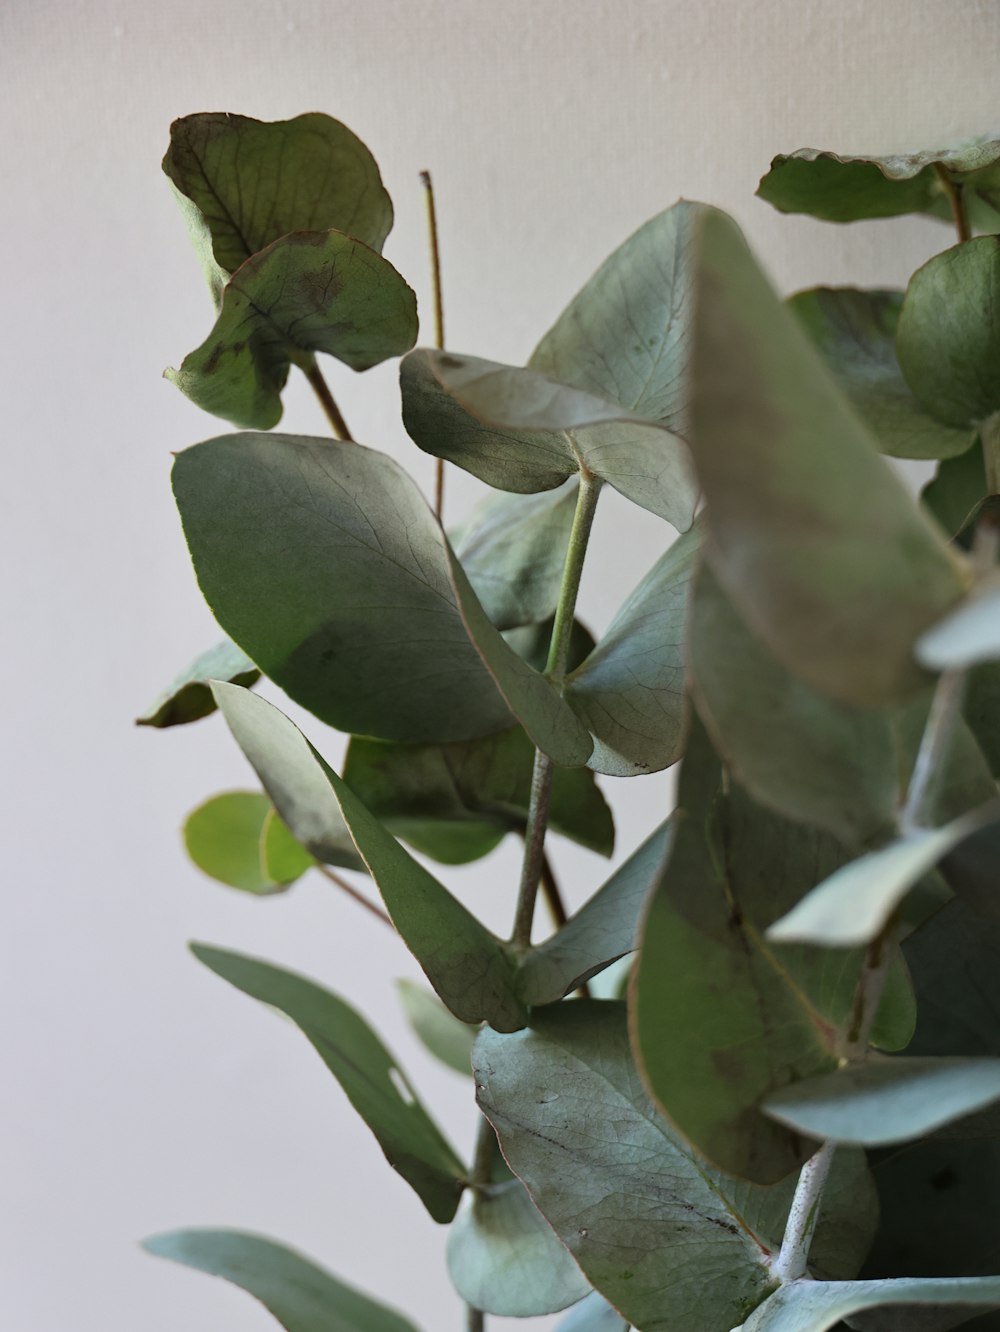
x=949 y=335
x=813 y=537
x=301 y=1296
x=855 y=333
x=967 y=636
x=480 y=789
x=970 y=870
x=593 y=1314
x=374 y=1084
x=603 y=930
x=189 y=697
x=310 y=291
x=513 y=548
x=668 y=1240
x=630 y=690
x=253 y=181
x=853 y=904
x=881 y=1101
x=346 y=568
x=957 y=489
x=802 y=753
x=981 y=707
x=538 y=432
x=505 y=1259
x=467 y=965
x=814 y=1306
x=233 y=838
x=439 y=1031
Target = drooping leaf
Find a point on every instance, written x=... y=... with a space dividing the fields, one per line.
x=232 y=838
x=630 y=691
x=253 y=181
x=812 y=536
x=800 y=752
x=448 y=1039
x=310 y=291
x=189 y=698
x=505 y=1259
x=621 y=1191
x=853 y=904
x=814 y=1306
x=593 y=1314
x=323 y=560
x=881 y=1101
x=855 y=333
x=513 y=548
x=480 y=788
x=967 y=636
x=370 y=1077
x=519 y=430
x=468 y=966
x=300 y=1295
x=603 y=930
x=957 y=487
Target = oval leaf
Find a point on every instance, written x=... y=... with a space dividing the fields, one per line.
x=301 y=1296
x=373 y=1082
x=232 y=838
x=815 y=1306
x=188 y=698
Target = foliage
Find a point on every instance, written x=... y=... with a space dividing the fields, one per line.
x=791 y=1120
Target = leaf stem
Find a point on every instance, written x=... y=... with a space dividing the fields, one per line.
x=534 y=849
x=432 y=228
x=351 y=891
x=989 y=434
x=953 y=191
x=321 y=388
x=552 y=895
x=480 y=1179
x=790 y=1264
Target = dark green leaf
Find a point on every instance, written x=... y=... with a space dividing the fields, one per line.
x=532 y=642
x=814 y=1306
x=373 y=1082
x=630 y=690
x=439 y=1031
x=603 y=930
x=233 y=838
x=301 y=1296
x=855 y=332
x=961 y=780
x=468 y=966
x=253 y=181
x=949 y=333
x=811 y=534
x=982 y=711
x=189 y=698
x=504 y=1258
x=540 y=432
x=958 y=487
x=309 y=291
x=797 y=751
x=971 y=870
x=625 y=1195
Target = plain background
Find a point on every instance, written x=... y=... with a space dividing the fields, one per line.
x=139 y=1092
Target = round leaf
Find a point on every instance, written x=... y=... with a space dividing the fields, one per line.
x=232 y=838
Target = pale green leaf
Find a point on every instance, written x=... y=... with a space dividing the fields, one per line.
x=815 y=1306
x=593 y=1314
x=188 y=698
x=283 y=857
x=968 y=635
x=230 y=837
x=448 y=1039
x=301 y=1296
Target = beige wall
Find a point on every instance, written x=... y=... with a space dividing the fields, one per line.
x=138 y=1092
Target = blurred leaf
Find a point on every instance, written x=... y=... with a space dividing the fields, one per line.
x=625 y=1195
x=967 y=636
x=593 y=1314
x=981 y=707
x=253 y=181
x=467 y=965
x=603 y=930
x=956 y=489
x=971 y=870
x=375 y=1086
x=853 y=904
x=855 y=333
x=539 y=432
x=309 y=291
x=814 y=1306
x=189 y=698
x=301 y=1296
x=810 y=533
x=630 y=690
x=440 y=1032
x=233 y=838
x=800 y=752
x=949 y=335
x=961 y=780
x=880 y=1101
x=513 y=548
x=504 y=1258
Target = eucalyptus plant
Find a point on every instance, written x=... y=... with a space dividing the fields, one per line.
x=754 y=1081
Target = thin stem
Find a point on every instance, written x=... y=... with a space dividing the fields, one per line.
x=953 y=191
x=552 y=895
x=790 y=1264
x=351 y=891
x=475 y=1321
x=534 y=849
x=480 y=1179
x=583 y=521
x=432 y=228
x=868 y=993
x=989 y=434
x=946 y=707
x=321 y=388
